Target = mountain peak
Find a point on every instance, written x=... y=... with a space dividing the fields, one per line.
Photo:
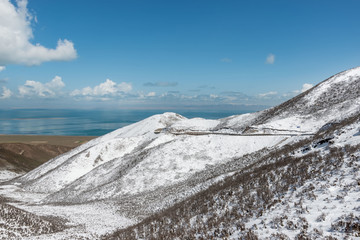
x=340 y=87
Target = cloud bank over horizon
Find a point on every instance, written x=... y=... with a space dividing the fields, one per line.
x=17 y=47
x=16 y=35
x=123 y=93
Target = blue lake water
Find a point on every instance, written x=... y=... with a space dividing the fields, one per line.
x=83 y=122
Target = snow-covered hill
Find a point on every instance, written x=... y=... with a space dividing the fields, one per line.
x=59 y=172
x=131 y=167
x=155 y=164
x=307 y=190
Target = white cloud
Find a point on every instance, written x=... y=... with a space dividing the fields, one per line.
x=160 y=84
x=15 y=36
x=290 y=94
x=227 y=60
x=56 y=83
x=2 y=68
x=268 y=94
x=270 y=59
x=6 y=93
x=151 y=94
x=107 y=88
x=38 y=89
x=306 y=87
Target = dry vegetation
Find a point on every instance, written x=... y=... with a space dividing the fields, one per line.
x=16 y=223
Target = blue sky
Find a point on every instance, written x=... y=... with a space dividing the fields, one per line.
x=169 y=54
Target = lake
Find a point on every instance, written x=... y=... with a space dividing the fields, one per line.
x=84 y=122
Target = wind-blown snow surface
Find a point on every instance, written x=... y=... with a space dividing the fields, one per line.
x=140 y=169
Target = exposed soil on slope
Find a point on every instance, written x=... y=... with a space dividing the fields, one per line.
x=20 y=153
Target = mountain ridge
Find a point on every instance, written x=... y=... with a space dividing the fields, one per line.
x=108 y=149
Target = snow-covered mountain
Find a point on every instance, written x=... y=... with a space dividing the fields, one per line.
x=157 y=163
x=307 y=190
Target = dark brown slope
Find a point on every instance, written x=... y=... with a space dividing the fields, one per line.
x=20 y=157
x=22 y=153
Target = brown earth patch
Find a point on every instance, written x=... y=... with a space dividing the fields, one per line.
x=22 y=153
x=69 y=141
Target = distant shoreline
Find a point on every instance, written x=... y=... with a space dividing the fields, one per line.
x=69 y=141
x=71 y=122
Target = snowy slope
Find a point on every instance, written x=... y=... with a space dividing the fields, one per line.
x=160 y=166
x=323 y=204
x=309 y=190
x=60 y=171
x=332 y=100
x=133 y=165
x=135 y=160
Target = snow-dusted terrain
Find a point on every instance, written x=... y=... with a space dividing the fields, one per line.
x=148 y=167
